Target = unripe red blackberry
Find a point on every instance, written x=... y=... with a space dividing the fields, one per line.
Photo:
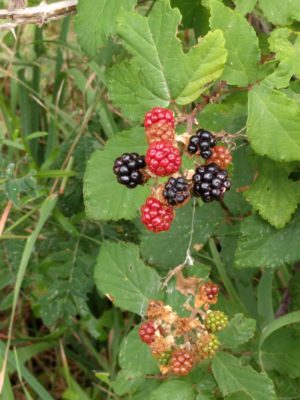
x=201 y=143
x=163 y=158
x=182 y=362
x=159 y=114
x=210 y=182
x=209 y=346
x=147 y=332
x=215 y=321
x=129 y=169
x=221 y=156
x=156 y=216
x=176 y=191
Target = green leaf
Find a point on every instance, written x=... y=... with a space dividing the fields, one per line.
x=287 y=52
x=168 y=249
x=125 y=384
x=262 y=245
x=233 y=377
x=120 y=273
x=135 y=356
x=241 y=66
x=160 y=71
x=175 y=390
x=280 y=12
x=105 y=199
x=273 y=193
x=239 y=330
x=245 y=6
x=96 y=21
x=129 y=90
x=273 y=124
x=281 y=352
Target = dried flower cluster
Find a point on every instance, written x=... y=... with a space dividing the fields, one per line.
x=179 y=343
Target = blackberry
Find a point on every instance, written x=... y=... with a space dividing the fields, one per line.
x=176 y=191
x=201 y=143
x=182 y=362
x=210 y=182
x=128 y=169
x=215 y=321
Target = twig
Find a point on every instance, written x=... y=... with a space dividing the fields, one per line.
x=38 y=15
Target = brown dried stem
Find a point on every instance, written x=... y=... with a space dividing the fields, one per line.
x=38 y=15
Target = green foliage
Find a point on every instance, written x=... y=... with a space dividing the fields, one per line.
x=239 y=330
x=171 y=247
x=241 y=67
x=77 y=267
x=103 y=199
x=273 y=193
x=262 y=245
x=122 y=274
x=232 y=378
x=273 y=124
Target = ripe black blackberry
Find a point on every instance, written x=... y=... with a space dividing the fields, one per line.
x=176 y=191
x=129 y=169
x=201 y=143
x=210 y=182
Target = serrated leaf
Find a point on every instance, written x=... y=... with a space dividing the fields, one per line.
x=126 y=384
x=135 y=356
x=281 y=12
x=273 y=124
x=273 y=193
x=197 y=74
x=241 y=67
x=105 y=199
x=287 y=52
x=281 y=352
x=96 y=21
x=169 y=248
x=239 y=330
x=233 y=377
x=160 y=72
x=129 y=90
x=261 y=245
x=245 y=6
x=121 y=273
x=175 y=390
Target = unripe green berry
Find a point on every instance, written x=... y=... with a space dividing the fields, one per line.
x=215 y=321
x=164 y=359
x=210 y=348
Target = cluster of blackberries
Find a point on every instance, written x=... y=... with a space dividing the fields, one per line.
x=201 y=143
x=163 y=159
x=129 y=169
x=210 y=182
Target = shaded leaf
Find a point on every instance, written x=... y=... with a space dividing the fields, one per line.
x=273 y=194
x=121 y=273
x=232 y=377
x=262 y=245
